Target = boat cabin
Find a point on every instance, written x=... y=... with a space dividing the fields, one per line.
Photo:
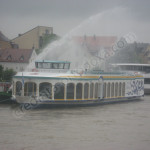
x=143 y=68
x=52 y=64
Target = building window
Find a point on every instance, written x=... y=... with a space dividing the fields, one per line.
x=40 y=42
x=46 y=31
x=22 y=58
x=9 y=57
x=21 y=69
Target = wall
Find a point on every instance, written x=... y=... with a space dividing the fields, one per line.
x=5 y=44
x=31 y=38
x=15 y=66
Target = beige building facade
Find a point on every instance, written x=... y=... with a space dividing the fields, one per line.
x=32 y=38
x=5 y=44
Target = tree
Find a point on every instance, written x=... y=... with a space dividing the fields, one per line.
x=7 y=74
x=47 y=39
x=1 y=72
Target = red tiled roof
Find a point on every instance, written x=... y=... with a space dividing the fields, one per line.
x=96 y=41
x=15 y=55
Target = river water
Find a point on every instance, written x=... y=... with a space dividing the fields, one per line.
x=120 y=126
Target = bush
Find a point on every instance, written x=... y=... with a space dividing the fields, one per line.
x=6 y=75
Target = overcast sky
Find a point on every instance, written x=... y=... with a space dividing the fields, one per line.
x=99 y=17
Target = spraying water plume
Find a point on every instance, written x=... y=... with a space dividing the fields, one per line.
x=67 y=49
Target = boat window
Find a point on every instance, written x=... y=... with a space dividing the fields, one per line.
x=66 y=66
x=59 y=91
x=86 y=90
x=123 y=89
x=46 y=65
x=70 y=91
x=112 y=90
x=61 y=66
x=147 y=69
x=55 y=66
x=45 y=90
x=18 y=88
x=105 y=87
x=108 y=90
x=91 y=90
x=30 y=89
x=40 y=65
x=147 y=81
x=116 y=89
x=96 y=90
x=120 y=86
x=79 y=91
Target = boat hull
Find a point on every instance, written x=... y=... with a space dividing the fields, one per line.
x=32 y=104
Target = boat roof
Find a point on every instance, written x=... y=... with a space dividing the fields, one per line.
x=69 y=76
x=49 y=61
x=130 y=64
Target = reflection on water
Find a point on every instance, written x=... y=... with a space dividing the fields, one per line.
x=105 y=127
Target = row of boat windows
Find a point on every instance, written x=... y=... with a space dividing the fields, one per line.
x=45 y=65
x=146 y=80
x=82 y=91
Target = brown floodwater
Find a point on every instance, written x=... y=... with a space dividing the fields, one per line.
x=120 y=126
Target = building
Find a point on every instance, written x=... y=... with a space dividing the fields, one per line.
x=16 y=59
x=94 y=44
x=4 y=41
x=33 y=38
x=146 y=55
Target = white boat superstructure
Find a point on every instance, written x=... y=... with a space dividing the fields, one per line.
x=143 y=69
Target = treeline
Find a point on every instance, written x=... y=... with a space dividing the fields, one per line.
x=6 y=75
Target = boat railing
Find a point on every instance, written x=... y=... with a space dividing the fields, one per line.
x=51 y=70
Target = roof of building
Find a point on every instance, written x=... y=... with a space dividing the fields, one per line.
x=95 y=42
x=3 y=37
x=15 y=55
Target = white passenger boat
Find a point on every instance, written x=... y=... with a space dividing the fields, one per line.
x=53 y=83
x=143 y=69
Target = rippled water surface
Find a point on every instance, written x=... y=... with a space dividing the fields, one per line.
x=121 y=126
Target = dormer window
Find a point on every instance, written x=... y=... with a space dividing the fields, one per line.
x=9 y=57
x=22 y=58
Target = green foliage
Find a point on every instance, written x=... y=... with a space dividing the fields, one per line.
x=47 y=39
x=1 y=71
x=6 y=75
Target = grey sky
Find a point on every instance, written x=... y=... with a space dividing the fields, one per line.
x=115 y=17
